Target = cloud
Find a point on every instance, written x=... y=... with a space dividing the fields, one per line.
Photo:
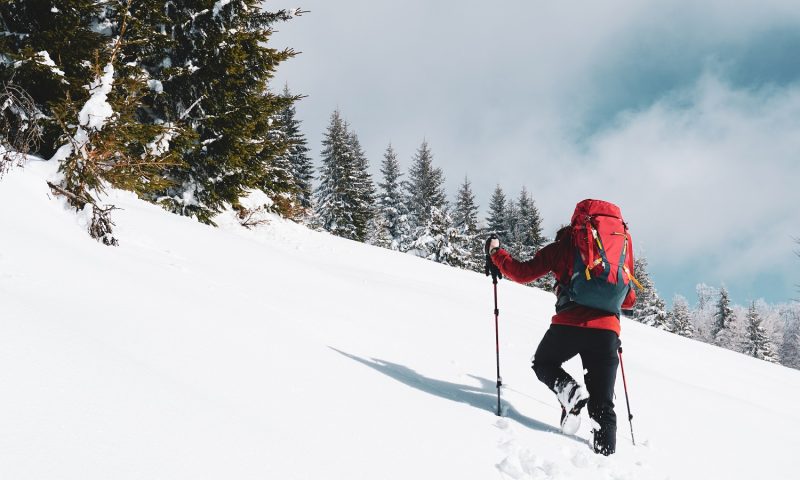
x=709 y=172
x=684 y=112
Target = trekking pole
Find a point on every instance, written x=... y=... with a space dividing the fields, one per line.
x=627 y=400
x=497 y=343
x=491 y=269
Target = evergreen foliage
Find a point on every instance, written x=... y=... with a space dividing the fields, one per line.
x=424 y=188
x=465 y=220
x=188 y=120
x=497 y=221
x=345 y=195
x=392 y=226
x=363 y=189
x=723 y=330
x=756 y=342
x=680 y=318
x=527 y=234
x=211 y=76
x=512 y=218
x=440 y=241
x=88 y=97
x=790 y=341
x=50 y=53
x=649 y=308
x=301 y=168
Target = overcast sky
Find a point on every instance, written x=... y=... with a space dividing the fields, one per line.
x=684 y=113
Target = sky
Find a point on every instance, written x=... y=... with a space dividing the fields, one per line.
x=686 y=114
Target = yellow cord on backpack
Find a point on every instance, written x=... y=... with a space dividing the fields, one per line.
x=633 y=279
x=589 y=267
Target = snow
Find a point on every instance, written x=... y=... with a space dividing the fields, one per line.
x=160 y=145
x=190 y=352
x=96 y=111
x=219 y=6
x=43 y=58
x=155 y=86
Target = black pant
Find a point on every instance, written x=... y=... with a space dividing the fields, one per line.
x=598 y=351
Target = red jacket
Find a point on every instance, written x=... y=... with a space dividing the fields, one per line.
x=556 y=258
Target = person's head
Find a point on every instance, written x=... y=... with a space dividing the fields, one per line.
x=563 y=233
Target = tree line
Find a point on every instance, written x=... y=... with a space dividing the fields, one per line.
x=413 y=215
x=767 y=332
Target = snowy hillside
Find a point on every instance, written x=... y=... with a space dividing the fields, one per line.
x=198 y=353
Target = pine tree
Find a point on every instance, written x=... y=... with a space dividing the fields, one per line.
x=392 y=222
x=680 y=318
x=703 y=315
x=301 y=166
x=213 y=78
x=49 y=53
x=465 y=220
x=528 y=235
x=424 y=188
x=335 y=195
x=90 y=101
x=440 y=241
x=511 y=242
x=790 y=343
x=756 y=342
x=649 y=308
x=723 y=331
x=497 y=220
x=362 y=187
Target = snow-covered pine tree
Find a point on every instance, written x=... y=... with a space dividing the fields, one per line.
x=90 y=101
x=511 y=243
x=439 y=240
x=392 y=214
x=703 y=314
x=723 y=331
x=49 y=53
x=790 y=341
x=465 y=220
x=424 y=187
x=336 y=194
x=214 y=79
x=649 y=308
x=363 y=190
x=497 y=220
x=378 y=232
x=528 y=233
x=680 y=318
x=756 y=342
x=302 y=168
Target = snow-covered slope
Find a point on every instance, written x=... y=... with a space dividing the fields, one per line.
x=198 y=353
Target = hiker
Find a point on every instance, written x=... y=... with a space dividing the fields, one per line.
x=592 y=260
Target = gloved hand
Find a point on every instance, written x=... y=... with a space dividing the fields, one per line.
x=492 y=244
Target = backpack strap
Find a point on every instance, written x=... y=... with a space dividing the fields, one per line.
x=625 y=264
x=591 y=233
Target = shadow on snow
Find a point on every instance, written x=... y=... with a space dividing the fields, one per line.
x=483 y=397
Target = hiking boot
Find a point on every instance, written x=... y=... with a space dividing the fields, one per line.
x=604 y=440
x=573 y=398
x=571 y=421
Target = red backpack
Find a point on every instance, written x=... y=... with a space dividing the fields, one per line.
x=602 y=271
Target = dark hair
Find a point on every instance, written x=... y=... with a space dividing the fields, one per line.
x=564 y=233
